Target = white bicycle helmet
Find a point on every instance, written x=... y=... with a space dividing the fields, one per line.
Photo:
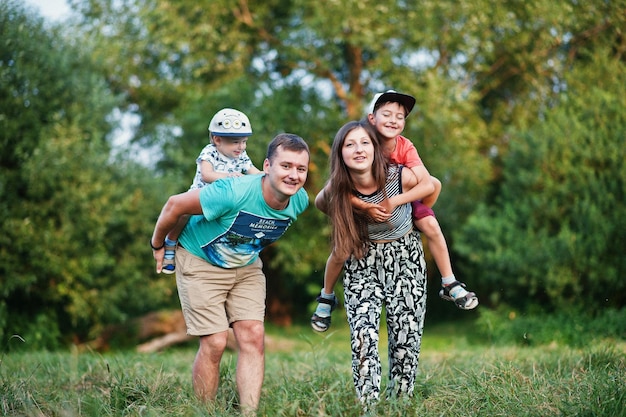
x=230 y=122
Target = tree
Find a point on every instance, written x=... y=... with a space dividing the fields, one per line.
x=479 y=70
x=71 y=259
x=554 y=238
x=489 y=78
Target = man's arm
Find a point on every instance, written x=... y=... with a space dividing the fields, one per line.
x=176 y=206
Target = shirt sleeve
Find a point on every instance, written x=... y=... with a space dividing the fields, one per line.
x=405 y=153
x=212 y=198
x=205 y=154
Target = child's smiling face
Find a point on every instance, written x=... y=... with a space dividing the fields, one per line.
x=231 y=147
x=389 y=119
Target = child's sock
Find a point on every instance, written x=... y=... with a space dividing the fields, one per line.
x=169 y=254
x=323 y=309
x=456 y=292
x=447 y=280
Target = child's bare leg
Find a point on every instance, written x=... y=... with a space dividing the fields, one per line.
x=452 y=290
x=334 y=265
x=430 y=200
x=436 y=244
x=178 y=228
x=320 y=321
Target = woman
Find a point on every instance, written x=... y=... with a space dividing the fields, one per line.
x=385 y=261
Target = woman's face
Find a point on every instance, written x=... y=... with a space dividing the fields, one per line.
x=358 y=150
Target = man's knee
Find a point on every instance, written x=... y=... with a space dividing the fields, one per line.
x=250 y=334
x=213 y=346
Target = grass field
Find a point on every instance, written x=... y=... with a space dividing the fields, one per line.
x=308 y=374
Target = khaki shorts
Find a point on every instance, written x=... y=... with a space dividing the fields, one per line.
x=212 y=298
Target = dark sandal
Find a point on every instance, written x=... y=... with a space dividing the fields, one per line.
x=468 y=302
x=321 y=324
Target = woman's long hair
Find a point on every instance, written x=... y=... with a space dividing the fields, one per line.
x=350 y=235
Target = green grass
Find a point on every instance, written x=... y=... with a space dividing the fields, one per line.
x=308 y=374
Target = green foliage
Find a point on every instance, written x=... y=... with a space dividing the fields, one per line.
x=520 y=114
x=452 y=141
x=73 y=259
x=568 y=328
x=553 y=237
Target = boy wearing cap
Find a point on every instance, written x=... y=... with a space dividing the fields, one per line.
x=387 y=112
x=225 y=156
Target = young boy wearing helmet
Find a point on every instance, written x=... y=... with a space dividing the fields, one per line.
x=225 y=156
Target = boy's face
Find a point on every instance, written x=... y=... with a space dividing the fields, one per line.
x=389 y=119
x=231 y=147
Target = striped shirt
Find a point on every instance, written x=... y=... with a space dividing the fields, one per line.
x=401 y=220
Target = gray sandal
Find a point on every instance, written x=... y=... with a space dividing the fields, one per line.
x=467 y=302
x=321 y=324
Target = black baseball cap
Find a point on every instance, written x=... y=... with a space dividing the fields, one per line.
x=391 y=96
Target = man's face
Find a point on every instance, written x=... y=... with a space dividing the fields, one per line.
x=287 y=171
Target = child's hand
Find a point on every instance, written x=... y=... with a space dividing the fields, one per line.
x=390 y=204
x=377 y=212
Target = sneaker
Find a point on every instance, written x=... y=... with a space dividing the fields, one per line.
x=465 y=302
x=169 y=264
x=321 y=324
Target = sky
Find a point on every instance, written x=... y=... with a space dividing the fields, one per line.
x=50 y=9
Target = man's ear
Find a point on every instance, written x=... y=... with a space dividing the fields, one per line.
x=266 y=166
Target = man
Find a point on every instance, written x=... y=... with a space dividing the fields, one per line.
x=219 y=274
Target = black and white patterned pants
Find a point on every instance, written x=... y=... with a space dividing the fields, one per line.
x=393 y=274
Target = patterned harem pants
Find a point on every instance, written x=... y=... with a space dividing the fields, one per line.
x=394 y=274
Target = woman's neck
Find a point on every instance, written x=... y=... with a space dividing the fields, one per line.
x=364 y=182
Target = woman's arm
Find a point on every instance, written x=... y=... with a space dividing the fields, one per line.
x=321 y=202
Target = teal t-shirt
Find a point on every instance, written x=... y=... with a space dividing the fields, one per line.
x=237 y=223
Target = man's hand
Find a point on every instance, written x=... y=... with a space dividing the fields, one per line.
x=159 y=254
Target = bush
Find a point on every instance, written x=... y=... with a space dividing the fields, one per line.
x=572 y=328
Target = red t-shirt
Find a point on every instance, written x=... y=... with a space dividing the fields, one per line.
x=405 y=153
